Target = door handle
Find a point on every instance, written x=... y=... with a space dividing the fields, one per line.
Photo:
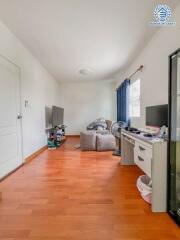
x=19 y=116
x=141 y=148
x=140 y=159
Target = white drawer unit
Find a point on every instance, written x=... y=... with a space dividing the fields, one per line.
x=143 y=157
x=150 y=155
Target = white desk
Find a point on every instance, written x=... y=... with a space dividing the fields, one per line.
x=150 y=155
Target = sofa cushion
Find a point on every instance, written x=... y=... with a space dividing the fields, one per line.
x=102 y=131
x=88 y=141
x=109 y=124
x=105 y=142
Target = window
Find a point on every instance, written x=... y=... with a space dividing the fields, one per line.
x=135 y=91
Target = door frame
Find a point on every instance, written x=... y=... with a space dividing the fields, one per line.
x=171 y=213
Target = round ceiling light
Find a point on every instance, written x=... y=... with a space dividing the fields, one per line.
x=84 y=71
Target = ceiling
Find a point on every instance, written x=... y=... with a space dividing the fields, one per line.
x=100 y=37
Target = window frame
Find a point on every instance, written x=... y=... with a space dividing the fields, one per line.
x=135 y=101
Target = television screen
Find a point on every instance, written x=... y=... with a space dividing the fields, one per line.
x=48 y=117
x=57 y=116
x=157 y=116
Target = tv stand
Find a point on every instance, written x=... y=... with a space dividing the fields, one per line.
x=56 y=136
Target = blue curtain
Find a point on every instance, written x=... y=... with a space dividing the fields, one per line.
x=123 y=94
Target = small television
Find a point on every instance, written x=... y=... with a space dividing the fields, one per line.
x=157 y=116
x=57 y=116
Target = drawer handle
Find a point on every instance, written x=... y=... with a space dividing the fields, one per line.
x=141 y=148
x=140 y=159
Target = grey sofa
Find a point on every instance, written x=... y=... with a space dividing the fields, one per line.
x=92 y=141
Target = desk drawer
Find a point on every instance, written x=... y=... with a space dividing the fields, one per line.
x=143 y=157
x=143 y=151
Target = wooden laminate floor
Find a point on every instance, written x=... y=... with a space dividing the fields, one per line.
x=71 y=195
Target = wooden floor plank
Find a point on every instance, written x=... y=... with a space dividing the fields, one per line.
x=67 y=194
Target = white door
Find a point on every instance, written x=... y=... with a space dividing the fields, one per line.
x=10 y=125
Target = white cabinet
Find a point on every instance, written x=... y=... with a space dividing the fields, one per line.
x=150 y=155
x=143 y=157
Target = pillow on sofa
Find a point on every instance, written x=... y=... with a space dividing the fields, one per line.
x=96 y=124
x=88 y=141
x=105 y=142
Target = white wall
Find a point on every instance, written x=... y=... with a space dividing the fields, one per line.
x=154 y=77
x=84 y=102
x=37 y=86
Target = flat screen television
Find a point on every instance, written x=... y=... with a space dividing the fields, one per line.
x=57 y=116
x=48 y=117
x=157 y=116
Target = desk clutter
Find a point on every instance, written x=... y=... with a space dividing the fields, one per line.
x=150 y=132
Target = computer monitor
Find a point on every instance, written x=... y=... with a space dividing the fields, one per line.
x=157 y=116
